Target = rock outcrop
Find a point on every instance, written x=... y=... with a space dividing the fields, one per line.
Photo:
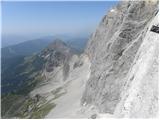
x=124 y=63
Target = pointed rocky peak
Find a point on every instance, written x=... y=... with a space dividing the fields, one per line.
x=56 y=54
x=58 y=44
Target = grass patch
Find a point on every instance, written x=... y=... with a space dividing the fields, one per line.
x=42 y=111
x=34 y=110
x=7 y=101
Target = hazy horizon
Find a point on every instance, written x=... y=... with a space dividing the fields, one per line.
x=30 y=20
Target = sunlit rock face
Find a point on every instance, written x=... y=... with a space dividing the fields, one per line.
x=140 y=95
x=112 y=50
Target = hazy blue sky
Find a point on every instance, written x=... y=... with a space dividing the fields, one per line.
x=50 y=18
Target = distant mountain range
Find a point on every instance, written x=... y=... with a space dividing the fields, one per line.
x=19 y=68
x=10 y=40
x=33 y=46
x=26 y=48
x=23 y=63
x=15 y=55
x=24 y=73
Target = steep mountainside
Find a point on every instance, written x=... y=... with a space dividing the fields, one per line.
x=140 y=95
x=11 y=56
x=116 y=76
x=123 y=54
x=31 y=72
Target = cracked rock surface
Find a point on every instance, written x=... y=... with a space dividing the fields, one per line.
x=123 y=43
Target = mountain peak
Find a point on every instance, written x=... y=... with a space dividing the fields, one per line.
x=58 y=41
x=57 y=44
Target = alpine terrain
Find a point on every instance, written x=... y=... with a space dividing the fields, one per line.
x=115 y=77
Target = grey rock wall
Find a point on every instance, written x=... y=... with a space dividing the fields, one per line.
x=140 y=95
x=112 y=50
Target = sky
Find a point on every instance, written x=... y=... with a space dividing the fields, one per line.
x=51 y=18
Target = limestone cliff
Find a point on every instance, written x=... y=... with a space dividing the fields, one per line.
x=115 y=49
x=140 y=95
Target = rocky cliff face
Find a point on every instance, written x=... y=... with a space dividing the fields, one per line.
x=140 y=95
x=123 y=54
